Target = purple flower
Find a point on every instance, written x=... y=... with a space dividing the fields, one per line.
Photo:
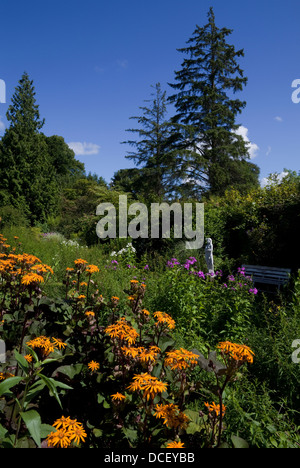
x=253 y=291
x=201 y=274
x=231 y=278
x=146 y=267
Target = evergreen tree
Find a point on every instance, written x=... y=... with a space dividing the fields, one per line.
x=152 y=146
x=23 y=113
x=204 y=140
x=27 y=179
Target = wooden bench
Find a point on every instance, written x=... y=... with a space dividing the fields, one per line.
x=268 y=275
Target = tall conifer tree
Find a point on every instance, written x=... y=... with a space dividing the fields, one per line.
x=151 y=148
x=27 y=177
x=204 y=140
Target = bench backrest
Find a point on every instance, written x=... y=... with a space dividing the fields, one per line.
x=268 y=275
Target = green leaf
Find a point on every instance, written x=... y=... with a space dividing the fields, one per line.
x=33 y=391
x=33 y=423
x=238 y=442
x=51 y=384
x=70 y=370
x=45 y=430
x=22 y=362
x=7 y=384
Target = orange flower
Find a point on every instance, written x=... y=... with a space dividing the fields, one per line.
x=93 y=366
x=180 y=359
x=165 y=319
x=92 y=269
x=213 y=408
x=122 y=331
x=148 y=384
x=172 y=416
x=32 y=278
x=175 y=445
x=118 y=396
x=237 y=352
x=67 y=430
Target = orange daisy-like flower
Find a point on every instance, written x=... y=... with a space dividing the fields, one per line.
x=149 y=385
x=80 y=261
x=165 y=319
x=30 y=278
x=149 y=355
x=175 y=445
x=172 y=416
x=28 y=357
x=45 y=346
x=213 y=408
x=180 y=359
x=58 y=343
x=89 y=313
x=5 y=375
x=237 y=352
x=145 y=312
x=42 y=344
x=123 y=331
x=59 y=438
x=93 y=366
x=42 y=268
x=92 y=269
x=118 y=396
x=67 y=431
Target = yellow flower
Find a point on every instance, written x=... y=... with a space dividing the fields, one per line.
x=93 y=366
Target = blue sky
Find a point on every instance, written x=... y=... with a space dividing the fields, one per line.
x=93 y=64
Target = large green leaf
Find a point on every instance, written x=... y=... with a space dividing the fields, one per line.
x=33 y=423
x=238 y=442
x=52 y=386
x=21 y=361
x=7 y=384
